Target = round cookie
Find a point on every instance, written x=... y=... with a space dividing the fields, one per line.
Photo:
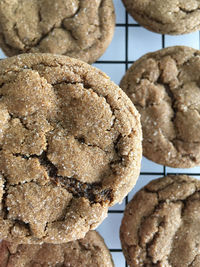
x=77 y=28
x=166 y=17
x=161 y=224
x=88 y=252
x=164 y=86
x=70 y=145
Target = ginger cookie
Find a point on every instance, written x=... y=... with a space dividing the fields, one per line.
x=77 y=28
x=166 y=17
x=161 y=224
x=88 y=252
x=70 y=147
x=164 y=86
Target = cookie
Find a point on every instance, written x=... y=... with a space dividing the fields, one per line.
x=169 y=17
x=164 y=86
x=77 y=28
x=161 y=224
x=88 y=252
x=70 y=145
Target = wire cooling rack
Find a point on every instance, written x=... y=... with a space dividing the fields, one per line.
x=130 y=42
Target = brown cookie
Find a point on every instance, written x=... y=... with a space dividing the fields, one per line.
x=166 y=17
x=77 y=28
x=70 y=144
x=88 y=252
x=165 y=88
x=161 y=224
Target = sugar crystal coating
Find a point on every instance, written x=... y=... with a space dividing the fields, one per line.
x=70 y=147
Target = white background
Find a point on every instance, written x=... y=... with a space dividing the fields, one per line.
x=139 y=42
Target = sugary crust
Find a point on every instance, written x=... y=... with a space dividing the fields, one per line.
x=88 y=252
x=166 y=17
x=77 y=28
x=78 y=137
x=164 y=87
x=161 y=224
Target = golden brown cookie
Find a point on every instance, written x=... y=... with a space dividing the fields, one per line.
x=164 y=86
x=161 y=224
x=88 y=252
x=70 y=145
x=77 y=28
x=166 y=17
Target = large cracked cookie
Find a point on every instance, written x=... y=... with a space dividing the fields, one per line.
x=164 y=86
x=88 y=252
x=70 y=147
x=77 y=28
x=161 y=224
x=166 y=17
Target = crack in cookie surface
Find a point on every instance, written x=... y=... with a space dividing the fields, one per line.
x=164 y=86
x=74 y=27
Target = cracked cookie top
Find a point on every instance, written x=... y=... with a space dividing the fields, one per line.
x=161 y=224
x=77 y=28
x=88 y=252
x=168 y=17
x=165 y=88
x=70 y=147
